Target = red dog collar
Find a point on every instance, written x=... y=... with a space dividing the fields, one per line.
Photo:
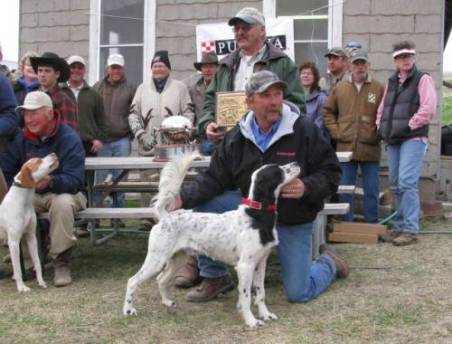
x=257 y=205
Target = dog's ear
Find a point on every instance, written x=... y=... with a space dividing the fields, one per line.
x=25 y=174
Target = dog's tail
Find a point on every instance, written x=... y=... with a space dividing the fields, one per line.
x=171 y=178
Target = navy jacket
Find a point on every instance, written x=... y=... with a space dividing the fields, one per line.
x=64 y=142
x=8 y=120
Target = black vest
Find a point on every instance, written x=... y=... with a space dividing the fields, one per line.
x=401 y=103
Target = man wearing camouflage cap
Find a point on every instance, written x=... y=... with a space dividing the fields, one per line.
x=337 y=63
x=271 y=132
x=253 y=53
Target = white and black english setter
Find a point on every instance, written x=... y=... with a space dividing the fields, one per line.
x=242 y=238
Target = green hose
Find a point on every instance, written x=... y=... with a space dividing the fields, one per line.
x=388 y=218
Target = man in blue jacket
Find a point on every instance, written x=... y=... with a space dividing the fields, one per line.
x=60 y=193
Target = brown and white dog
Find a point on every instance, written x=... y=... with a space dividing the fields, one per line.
x=18 y=218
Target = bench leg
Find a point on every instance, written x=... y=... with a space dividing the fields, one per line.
x=318 y=234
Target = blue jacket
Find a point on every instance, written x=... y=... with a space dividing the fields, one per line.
x=314 y=105
x=8 y=120
x=64 y=142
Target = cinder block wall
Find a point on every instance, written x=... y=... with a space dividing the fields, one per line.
x=176 y=27
x=377 y=24
x=60 y=26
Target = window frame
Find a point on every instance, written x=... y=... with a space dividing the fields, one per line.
x=335 y=18
x=149 y=29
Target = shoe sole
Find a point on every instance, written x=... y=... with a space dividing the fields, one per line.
x=222 y=291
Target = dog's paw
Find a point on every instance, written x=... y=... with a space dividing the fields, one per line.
x=23 y=289
x=269 y=316
x=254 y=323
x=42 y=285
x=129 y=311
x=169 y=303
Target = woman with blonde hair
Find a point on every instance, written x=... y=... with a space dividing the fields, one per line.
x=26 y=78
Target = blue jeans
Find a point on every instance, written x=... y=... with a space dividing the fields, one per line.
x=120 y=147
x=371 y=185
x=405 y=166
x=302 y=279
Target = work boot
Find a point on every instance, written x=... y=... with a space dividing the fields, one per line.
x=188 y=275
x=210 y=288
x=342 y=269
x=389 y=236
x=62 y=276
x=405 y=239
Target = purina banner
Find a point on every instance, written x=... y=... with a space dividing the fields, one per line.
x=220 y=38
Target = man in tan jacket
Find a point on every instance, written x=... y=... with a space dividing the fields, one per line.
x=349 y=116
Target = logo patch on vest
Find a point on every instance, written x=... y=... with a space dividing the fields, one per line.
x=372 y=98
x=286 y=154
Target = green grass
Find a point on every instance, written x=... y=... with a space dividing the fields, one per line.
x=447 y=111
x=393 y=295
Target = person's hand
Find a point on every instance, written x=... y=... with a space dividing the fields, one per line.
x=43 y=184
x=294 y=189
x=146 y=141
x=96 y=146
x=177 y=203
x=213 y=133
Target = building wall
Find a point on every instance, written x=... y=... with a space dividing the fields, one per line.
x=60 y=26
x=377 y=24
x=176 y=27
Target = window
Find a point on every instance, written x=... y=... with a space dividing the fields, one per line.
x=118 y=26
x=314 y=31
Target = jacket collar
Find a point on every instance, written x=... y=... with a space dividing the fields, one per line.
x=271 y=53
x=289 y=116
x=368 y=79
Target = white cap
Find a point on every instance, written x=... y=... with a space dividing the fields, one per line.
x=115 y=59
x=36 y=100
x=75 y=59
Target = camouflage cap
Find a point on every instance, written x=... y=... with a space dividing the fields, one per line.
x=336 y=51
x=262 y=81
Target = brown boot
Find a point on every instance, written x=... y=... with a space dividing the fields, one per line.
x=188 y=275
x=210 y=288
x=62 y=276
x=405 y=239
x=342 y=269
x=389 y=236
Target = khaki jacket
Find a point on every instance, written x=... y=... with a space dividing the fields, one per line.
x=349 y=116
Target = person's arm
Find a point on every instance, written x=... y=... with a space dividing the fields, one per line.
x=330 y=113
x=12 y=159
x=293 y=92
x=211 y=183
x=9 y=122
x=69 y=177
x=135 y=118
x=208 y=112
x=186 y=104
x=428 y=101
x=381 y=107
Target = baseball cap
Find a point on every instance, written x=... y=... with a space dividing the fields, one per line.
x=115 y=59
x=249 y=15
x=75 y=59
x=36 y=100
x=336 y=51
x=359 y=55
x=262 y=81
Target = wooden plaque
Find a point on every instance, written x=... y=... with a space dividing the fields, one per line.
x=231 y=107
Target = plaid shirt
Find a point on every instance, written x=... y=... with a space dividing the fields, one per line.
x=65 y=106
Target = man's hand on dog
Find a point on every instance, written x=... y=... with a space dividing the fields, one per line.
x=294 y=189
x=177 y=203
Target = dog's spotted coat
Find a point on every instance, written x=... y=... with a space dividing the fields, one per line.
x=242 y=238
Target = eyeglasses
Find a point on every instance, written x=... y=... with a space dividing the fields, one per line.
x=241 y=27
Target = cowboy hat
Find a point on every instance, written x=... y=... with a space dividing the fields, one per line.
x=207 y=58
x=53 y=60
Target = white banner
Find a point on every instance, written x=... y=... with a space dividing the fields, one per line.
x=219 y=37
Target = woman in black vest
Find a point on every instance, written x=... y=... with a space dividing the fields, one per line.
x=404 y=114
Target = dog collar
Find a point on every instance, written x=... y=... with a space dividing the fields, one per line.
x=19 y=185
x=257 y=205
